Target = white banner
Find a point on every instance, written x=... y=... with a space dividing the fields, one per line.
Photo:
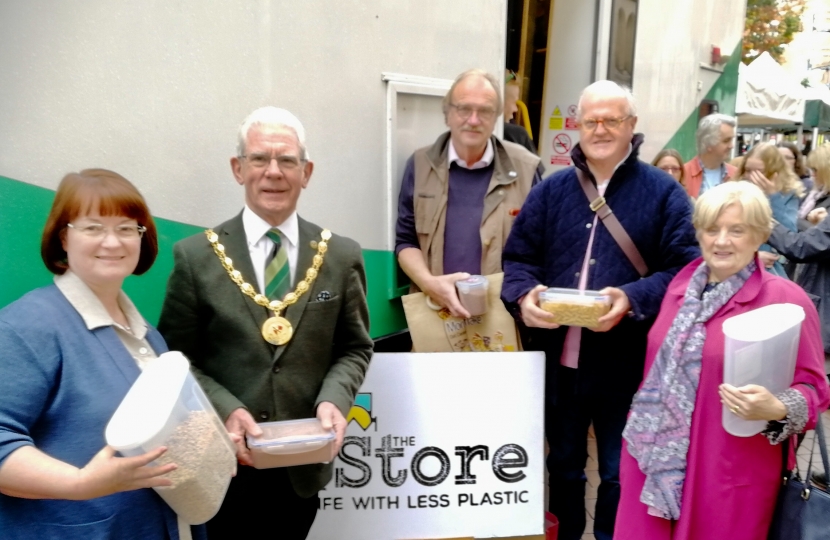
x=441 y=445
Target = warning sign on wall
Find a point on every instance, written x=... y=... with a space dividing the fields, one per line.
x=570 y=121
x=556 y=120
x=562 y=144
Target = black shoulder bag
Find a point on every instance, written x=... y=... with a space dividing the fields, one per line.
x=802 y=511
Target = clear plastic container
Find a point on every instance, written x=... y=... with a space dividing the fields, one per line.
x=472 y=292
x=289 y=443
x=167 y=407
x=571 y=307
x=760 y=347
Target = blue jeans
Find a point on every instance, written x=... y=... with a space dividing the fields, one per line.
x=566 y=427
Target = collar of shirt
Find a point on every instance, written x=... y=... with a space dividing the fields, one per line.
x=93 y=312
x=256 y=227
x=485 y=160
x=601 y=186
x=721 y=169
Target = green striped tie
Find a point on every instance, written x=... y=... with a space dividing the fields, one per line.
x=277 y=274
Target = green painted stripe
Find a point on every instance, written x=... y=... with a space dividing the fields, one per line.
x=724 y=91
x=23 y=211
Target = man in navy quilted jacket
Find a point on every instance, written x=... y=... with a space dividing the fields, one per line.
x=559 y=241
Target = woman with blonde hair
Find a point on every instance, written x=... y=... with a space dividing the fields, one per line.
x=765 y=168
x=682 y=476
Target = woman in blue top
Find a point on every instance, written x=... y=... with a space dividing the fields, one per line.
x=69 y=353
x=764 y=167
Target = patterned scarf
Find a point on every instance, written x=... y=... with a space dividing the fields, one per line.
x=659 y=425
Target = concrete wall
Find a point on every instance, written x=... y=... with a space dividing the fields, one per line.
x=156 y=90
x=672 y=41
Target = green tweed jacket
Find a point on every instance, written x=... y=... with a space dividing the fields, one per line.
x=207 y=317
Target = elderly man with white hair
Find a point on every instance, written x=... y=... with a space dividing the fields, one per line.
x=617 y=225
x=709 y=168
x=278 y=333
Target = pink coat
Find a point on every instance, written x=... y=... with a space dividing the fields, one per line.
x=731 y=482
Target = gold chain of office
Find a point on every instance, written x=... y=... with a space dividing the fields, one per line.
x=276 y=330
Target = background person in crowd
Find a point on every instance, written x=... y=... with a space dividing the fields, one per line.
x=795 y=161
x=817 y=198
x=764 y=167
x=669 y=160
x=558 y=241
x=459 y=197
x=514 y=133
x=811 y=250
x=704 y=482
x=317 y=370
x=69 y=353
x=709 y=168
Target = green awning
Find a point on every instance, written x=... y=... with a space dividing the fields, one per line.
x=816 y=114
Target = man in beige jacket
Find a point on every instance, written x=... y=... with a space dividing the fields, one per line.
x=459 y=197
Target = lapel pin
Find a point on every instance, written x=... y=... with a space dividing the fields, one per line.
x=314 y=244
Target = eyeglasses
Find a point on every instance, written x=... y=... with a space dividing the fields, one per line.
x=610 y=123
x=96 y=230
x=484 y=114
x=669 y=169
x=285 y=163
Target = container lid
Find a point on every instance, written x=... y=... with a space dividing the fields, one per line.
x=572 y=296
x=763 y=323
x=472 y=283
x=290 y=437
x=146 y=408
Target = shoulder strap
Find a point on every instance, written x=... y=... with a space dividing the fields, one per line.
x=611 y=222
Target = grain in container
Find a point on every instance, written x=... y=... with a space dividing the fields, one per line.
x=167 y=407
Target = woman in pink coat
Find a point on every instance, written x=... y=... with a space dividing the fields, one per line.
x=683 y=477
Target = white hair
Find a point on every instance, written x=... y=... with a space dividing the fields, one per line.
x=708 y=130
x=607 y=89
x=271 y=118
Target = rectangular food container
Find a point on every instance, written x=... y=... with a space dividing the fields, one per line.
x=289 y=443
x=571 y=307
x=167 y=407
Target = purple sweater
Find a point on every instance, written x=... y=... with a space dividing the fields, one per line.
x=465 y=205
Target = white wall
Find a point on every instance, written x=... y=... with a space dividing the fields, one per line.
x=671 y=44
x=672 y=40
x=156 y=90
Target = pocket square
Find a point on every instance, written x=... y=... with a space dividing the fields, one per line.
x=322 y=296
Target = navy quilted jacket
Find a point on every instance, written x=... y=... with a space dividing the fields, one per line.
x=547 y=246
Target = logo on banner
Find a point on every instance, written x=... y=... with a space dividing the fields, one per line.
x=361 y=412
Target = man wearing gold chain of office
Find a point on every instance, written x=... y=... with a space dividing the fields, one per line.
x=271 y=311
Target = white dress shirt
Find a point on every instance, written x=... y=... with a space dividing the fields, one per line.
x=260 y=246
x=485 y=160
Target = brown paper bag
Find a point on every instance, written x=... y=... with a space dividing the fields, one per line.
x=437 y=331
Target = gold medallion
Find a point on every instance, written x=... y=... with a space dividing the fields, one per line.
x=277 y=331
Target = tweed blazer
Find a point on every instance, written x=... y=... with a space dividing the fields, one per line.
x=217 y=327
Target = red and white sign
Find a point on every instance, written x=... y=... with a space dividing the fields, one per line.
x=562 y=144
x=560 y=160
x=572 y=110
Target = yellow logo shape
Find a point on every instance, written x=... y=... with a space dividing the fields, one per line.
x=361 y=416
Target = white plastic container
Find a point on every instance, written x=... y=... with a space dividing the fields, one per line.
x=571 y=307
x=289 y=443
x=760 y=348
x=167 y=407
